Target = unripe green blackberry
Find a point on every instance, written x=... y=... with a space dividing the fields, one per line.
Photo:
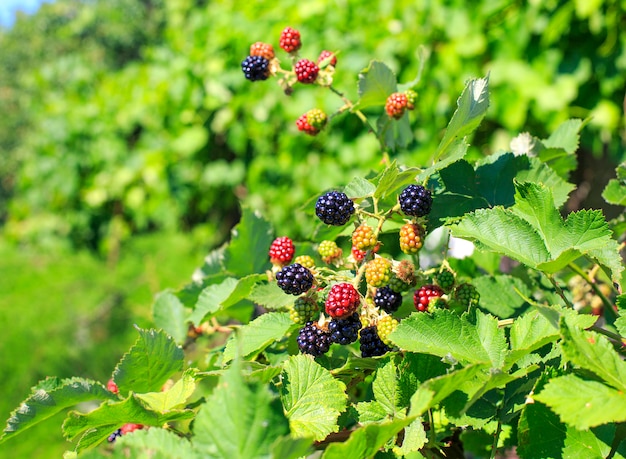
x=329 y=251
x=445 y=279
x=398 y=285
x=378 y=272
x=386 y=325
x=411 y=97
x=466 y=294
x=304 y=309
x=411 y=238
x=305 y=260
x=437 y=303
x=363 y=237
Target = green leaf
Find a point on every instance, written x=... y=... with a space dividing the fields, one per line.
x=530 y=332
x=538 y=172
x=370 y=412
x=366 y=441
x=456 y=151
x=498 y=294
x=445 y=334
x=249 y=243
x=396 y=134
x=50 y=397
x=566 y=136
x=170 y=315
x=270 y=296
x=238 y=420
x=154 y=443
x=253 y=338
x=172 y=398
x=595 y=353
x=392 y=179
x=291 y=448
x=414 y=438
x=359 y=188
x=218 y=297
x=376 y=83
x=149 y=363
x=582 y=403
x=471 y=108
x=94 y=427
x=620 y=323
x=385 y=388
x=541 y=434
x=311 y=397
x=615 y=191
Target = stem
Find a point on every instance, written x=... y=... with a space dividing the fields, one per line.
x=350 y=105
x=609 y=334
x=432 y=436
x=609 y=313
x=559 y=291
x=496 y=436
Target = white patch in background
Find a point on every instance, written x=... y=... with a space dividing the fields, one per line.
x=434 y=248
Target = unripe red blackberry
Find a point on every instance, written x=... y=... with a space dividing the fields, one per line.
x=306 y=71
x=112 y=387
x=385 y=326
x=445 y=279
x=262 y=49
x=387 y=299
x=255 y=68
x=359 y=255
x=422 y=297
x=345 y=331
x=281 y=251
x=370 y=343
x=396 y=105
x=411 y=97
x=334 y=208
x=294 y=279
x=304 y=309
x=411 y=238
x=327 y=56
x=415 y=200
x=312 y=122
x=378 y=272
x=130 y=427
x=466 y=294
x=290 y=40
x=329 y=251
x=363 y=237
x=342 y=300
x=313 y=340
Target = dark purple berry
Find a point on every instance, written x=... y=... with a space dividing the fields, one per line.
x=371 y=344
x=334 y=208
x=345 y=331
x=256 y=68
x=294 y=279
x=415 y=200
x=114 y=436
x=387 y=299
x=313 y=340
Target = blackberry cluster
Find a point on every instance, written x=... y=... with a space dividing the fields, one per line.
x=387 y=299
x=415 y=200
x=345 y=331
x=371 y=345
x=256 y=68
x=445 y=279
x=334 y=208
x=294 y=279
x=114 y=436
x=313 y=340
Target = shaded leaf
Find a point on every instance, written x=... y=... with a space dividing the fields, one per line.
x=170 y=314
x=376 y=83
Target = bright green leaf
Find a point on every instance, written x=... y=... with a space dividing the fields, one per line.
x=385 y=388
x=250 y=240
x=498 y=294
x=311 y=397
x=376 y=83
x=170 y=315
x=270 y=296
x=174 y=397
x=359 y=188
x=149 y=363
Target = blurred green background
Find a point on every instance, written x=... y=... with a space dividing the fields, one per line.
x=129 y=139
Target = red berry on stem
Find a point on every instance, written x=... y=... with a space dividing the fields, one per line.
x=281 y=251
x=290 y=40
x=327 y=56
x=306 y=71
x=342 y=301
x=422 y=297
x=396 y=105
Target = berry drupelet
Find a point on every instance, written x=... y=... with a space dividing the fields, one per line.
x=345 y=331
x=256 y=68
x=370 y=343
x=294 y=279
x=415 y=200
x=313 y=340
x=334 y=208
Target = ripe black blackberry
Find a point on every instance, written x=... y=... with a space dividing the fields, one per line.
x=334 y=208
x=345 y=331
x=415 y=200
x=256 y=68
x=294 y=279
x=114 y=436
x=313 y=340
x=387 y=299
x=371 y=344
